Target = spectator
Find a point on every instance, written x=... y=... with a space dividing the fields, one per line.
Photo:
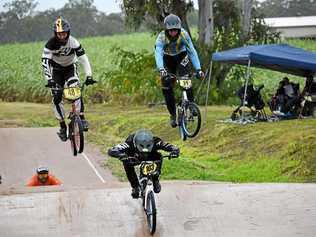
x=43 y=178
x=287 y=95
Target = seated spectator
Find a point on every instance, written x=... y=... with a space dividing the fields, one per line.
x=43 y=178
x=310 y=86
x=287 y=95
x=307 y=97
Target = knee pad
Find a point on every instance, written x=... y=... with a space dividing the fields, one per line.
x=72 y=82
x=167 y=83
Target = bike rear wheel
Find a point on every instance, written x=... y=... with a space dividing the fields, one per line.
x=76 y=136
x=191 y=120
x=151 y=212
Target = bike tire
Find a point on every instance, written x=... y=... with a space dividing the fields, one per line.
x=151 y=212
x=78 y=135
x=195 y=115
x=72 y=139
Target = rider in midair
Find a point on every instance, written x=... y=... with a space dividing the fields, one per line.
x=59 y=58
x=173 y=52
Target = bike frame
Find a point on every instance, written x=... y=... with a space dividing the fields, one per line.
x=73 y=107
x=147 y=189
x=146 y=178
x=75 y=130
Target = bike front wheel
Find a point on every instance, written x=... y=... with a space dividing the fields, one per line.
x=150 y=210
x=76 y=136
x=191 y=120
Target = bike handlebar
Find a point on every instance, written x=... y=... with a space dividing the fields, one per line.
x=136 y=160
x=58 y=87
x=178 y=78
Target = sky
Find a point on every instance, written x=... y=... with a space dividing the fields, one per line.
x=107 y=6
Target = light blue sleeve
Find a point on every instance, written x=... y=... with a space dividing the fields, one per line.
x=191 y=51
x=159 y=51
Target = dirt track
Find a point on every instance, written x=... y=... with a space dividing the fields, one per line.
x=86 y=206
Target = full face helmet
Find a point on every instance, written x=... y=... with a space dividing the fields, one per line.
x=62 y=29
x=172 y=25
x=143 y=142
x=42 y=174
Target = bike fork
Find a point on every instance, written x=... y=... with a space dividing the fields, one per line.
x=184 y=95
x=181 y=112
x=148 y=189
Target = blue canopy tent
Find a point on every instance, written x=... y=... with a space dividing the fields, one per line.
x=277 y=57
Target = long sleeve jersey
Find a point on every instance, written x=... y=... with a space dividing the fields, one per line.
x=128 y=148
x=183 y=43
x=56 y=55
x=51 y=180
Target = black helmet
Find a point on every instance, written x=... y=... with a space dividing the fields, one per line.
x=42 y=170
x=172 y=22
x=61 y=25
x=143 y=141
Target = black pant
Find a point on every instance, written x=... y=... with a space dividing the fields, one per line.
x=130 y=169
x=287 y=103
x=60 y=76
x=178 y=64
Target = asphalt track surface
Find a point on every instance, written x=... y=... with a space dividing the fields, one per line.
x=91 y=202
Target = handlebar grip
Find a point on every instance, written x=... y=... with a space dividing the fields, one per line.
x=91 y=82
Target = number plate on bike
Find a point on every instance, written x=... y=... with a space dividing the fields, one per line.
x=185 y=83
x=149 y=168
x=72 y=93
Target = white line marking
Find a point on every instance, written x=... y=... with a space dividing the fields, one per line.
x=93 y=167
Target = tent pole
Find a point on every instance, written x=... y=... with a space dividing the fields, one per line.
x=208 y=90
x=245 y=92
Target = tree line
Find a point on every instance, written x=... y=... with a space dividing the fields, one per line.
x=288 y=8
x=21 y=23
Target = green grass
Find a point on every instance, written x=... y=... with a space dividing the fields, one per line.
x=26 y=115
x=264 y=152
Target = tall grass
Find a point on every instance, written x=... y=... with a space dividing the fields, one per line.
x=21 y=76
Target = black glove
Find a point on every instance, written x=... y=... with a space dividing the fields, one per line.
x=163 y=73
x=175 y=153
x=200 y=74
x=51 y=83
x=89 y=81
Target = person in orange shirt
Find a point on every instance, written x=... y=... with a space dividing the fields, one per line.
x=43 y=178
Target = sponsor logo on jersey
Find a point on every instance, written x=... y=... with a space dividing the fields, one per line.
x=64 y=51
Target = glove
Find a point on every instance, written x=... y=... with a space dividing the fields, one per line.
x=200 y=74
x=89 y=80
x=51 y=83
x=163 y=73
x=175 y=153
